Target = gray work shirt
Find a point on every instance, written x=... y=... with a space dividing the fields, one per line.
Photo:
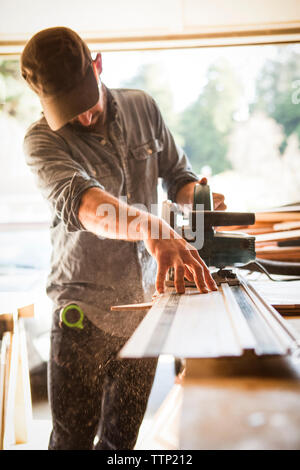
x=91 y=271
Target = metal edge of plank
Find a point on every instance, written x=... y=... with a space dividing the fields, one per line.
x=159 y=336
x=267 y=342
x=240 y=326
x=136 y=346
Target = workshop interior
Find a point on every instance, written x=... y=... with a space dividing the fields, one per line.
x=226 y=79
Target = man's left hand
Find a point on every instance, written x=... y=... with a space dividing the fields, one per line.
x=218 y=199
x=186 y=194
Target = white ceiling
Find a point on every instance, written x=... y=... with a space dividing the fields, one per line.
x=151 y=24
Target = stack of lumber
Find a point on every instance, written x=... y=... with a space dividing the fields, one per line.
x=15 y=396
x=277 y=233
x=279 y=237
x=7 y=358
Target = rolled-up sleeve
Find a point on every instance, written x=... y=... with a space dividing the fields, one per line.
x=174 y=166
x=60 y=178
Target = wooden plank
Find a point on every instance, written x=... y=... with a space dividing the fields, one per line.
x=6 y=322
x=206 y=325
x=4 y=356
x=285 y=209
x=23 y=406
x=289 y=253
x=279 y=293
x=277 y=216
x=276 y=236
x=26 y=312
x=129 y=307
x=15 y=396
x=222 y=323
x=200 y=327
x=11 y=380
x=20 y=302
x=259 y=228
x=287 y=312
x=135 y=346
x=287 y=225
x=258 y=231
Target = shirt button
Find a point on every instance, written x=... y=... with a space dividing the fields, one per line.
x=149 y=151
x=103 y=142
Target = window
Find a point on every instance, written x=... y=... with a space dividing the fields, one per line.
x=235 y=111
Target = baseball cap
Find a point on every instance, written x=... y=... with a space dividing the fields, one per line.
x=57 y=65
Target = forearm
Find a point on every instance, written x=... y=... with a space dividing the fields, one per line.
x=105 y=215
x=110 y=217
x=185 y=195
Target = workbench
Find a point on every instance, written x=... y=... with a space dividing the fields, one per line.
x=249 y=401
x=241 y=403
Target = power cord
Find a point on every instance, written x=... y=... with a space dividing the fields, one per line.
x=265 y=271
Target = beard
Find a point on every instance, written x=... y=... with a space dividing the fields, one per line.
x=98 y=121
x=95 y=124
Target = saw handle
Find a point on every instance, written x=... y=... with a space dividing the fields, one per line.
x=222 y=219
x=203 y=195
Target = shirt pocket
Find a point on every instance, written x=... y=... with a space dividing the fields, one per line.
x=147 y=150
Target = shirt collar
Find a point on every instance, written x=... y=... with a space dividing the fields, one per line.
x=112 y=107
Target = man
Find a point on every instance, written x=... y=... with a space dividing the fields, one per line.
x=94 y=150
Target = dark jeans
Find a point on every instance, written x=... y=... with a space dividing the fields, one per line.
x=94 y=394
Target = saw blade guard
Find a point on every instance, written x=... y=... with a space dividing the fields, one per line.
x=203 y=195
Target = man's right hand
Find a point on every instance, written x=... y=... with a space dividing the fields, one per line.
x=167 y=247
x=178 y=253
